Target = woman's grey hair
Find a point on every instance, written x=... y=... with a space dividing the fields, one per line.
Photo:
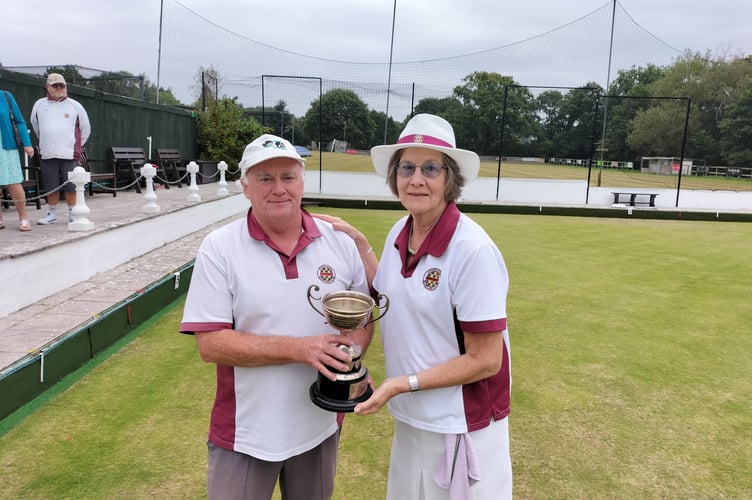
x=455 y=181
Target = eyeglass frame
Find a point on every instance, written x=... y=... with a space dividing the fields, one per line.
x=406 y=169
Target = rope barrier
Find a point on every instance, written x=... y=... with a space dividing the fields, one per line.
x=110 y=189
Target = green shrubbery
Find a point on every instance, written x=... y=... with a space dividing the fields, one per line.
x=224 y=132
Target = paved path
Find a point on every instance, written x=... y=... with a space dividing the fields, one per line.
x=31 y=328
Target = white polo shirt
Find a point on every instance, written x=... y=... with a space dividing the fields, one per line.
x=458 y=283
x=61 y=126
x=240 y=282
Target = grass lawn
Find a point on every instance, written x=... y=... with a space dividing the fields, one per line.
x=630 y=359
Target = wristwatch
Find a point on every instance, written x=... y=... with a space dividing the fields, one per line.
x=412 y=381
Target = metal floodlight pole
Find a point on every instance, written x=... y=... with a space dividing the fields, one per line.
x=683 y=146
x=501 y=140
x=159 y=49
x=412 y=100
x=389 y=77
x=596 y=103
x=608 y=82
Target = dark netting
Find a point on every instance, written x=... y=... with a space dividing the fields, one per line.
x=569 y=56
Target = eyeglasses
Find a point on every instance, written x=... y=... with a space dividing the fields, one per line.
x=58 y=85
x=430 y=170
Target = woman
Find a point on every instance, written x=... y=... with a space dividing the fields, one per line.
x=445 y=338
x=11 y=174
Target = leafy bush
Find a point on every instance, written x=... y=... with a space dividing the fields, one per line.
x=223 y=132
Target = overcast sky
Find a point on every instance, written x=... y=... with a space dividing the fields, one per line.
x=123 y=35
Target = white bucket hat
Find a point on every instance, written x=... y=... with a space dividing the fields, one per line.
x=265 y=148
x=430 y=132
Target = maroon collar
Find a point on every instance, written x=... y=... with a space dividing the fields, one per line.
x=310 y=232
x=435 y=243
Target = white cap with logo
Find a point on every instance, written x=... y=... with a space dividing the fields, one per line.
x=265 y=148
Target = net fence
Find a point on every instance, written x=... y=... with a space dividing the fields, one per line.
x=571 y=55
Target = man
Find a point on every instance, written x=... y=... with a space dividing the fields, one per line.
x=62 y=127
x=248 y=307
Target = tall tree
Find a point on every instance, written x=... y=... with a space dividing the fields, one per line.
x=392 y=130
x=207 y=81
x=224 y=131
x=736 y=128
x=477 y=125
x=344 y=116
x=568 y=121
x=442 y=106
x=713 y=84
x=119 y=83
x=658 y=130
x=70 y=72
x=631 y=92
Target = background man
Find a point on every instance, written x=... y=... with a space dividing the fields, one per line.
x=62 y=126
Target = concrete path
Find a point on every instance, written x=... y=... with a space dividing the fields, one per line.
x=29 y=328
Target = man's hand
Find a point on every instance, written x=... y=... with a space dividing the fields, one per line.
x=322 y=352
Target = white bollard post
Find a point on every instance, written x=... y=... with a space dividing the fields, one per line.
x=222 y=186
x=151 y=207
x=80 y=211
x=193 y=195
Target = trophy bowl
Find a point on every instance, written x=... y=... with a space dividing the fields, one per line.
x=345 y=310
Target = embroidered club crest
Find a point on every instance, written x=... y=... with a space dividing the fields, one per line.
x=326 y=274
x=431 y=279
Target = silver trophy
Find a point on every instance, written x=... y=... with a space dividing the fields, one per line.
x=345 y=310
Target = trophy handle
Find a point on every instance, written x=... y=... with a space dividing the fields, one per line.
x=383 y=308
x=316 y=288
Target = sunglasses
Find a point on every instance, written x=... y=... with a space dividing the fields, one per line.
x=430 y=170
x=58 y=85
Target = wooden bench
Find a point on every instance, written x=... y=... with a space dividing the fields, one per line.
x=172 y=164
x=127 y=163
x=103 y=180
x=633 y=198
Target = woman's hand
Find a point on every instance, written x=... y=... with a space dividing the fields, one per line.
x=29 y=151
x=347 y=228
x=367 y=256
x=386 y=391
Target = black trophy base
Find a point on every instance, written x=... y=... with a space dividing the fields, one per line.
x=336 y=395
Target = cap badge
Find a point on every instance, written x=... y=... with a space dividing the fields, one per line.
x=274 y=144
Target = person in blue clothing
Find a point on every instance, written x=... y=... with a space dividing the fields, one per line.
x=11 y=174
